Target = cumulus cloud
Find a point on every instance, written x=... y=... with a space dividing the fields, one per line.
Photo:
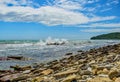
x=60 y=13
x=47 y=15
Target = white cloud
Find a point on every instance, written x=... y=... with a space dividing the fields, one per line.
x=108 y=25
x=60 y=13
x=47 y=15
x=67 y=4
x=107 y=9
x=92 y=1
x=29 y=3
x=101 y=30
x=94 y=19
x=112 y=2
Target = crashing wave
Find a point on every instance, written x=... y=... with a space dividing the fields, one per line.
x=50 y=41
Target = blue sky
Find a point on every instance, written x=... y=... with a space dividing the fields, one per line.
x=71 y=19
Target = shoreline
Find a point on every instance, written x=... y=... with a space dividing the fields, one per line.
x=96 y=65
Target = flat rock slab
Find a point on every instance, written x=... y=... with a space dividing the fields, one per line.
x=71 y=71
x=100 y=79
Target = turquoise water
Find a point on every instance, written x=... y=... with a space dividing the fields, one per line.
x=39 y=51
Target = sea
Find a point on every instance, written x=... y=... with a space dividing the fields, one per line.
x=43 y=51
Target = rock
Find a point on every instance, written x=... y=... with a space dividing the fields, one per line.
x=117 y=79
x=103 y=75
x=64 y=73
x=85 y=77
x=70 y=53
x=47 y=72
x=18 y=68
x=101 y=67
x=16 y=57
x=100 y=79
x=26 y=71
x=38 y=79
x=3 y=58
x=71 y=78
x=80 y=51
x=13 y=77
x=105 y=71
x=85 y=72
x=99 y=72
x=56 y=67
x=82 y=81
x=94 y=71
x=92 y=62
x=49 y=79
x=114 y=73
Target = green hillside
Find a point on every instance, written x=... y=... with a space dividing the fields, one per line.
x=115 y=35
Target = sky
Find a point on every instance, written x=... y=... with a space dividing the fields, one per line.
x=70 y=19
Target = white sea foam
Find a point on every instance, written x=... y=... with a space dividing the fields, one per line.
x=50 y=41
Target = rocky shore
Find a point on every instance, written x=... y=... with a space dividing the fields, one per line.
x=95 y=65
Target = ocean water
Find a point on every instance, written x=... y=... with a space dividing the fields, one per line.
x=40 y=51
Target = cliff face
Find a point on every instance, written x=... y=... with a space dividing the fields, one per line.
x=115 y=35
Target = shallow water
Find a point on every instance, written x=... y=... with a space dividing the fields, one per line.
x=40 y=52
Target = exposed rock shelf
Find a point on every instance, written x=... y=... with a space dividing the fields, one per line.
x=95 y=65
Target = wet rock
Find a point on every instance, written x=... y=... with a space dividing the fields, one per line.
x=56 y=67
x=3 y=58
x=16 y=57
x=80 y=51
x=19 y=68
x=70 y=53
